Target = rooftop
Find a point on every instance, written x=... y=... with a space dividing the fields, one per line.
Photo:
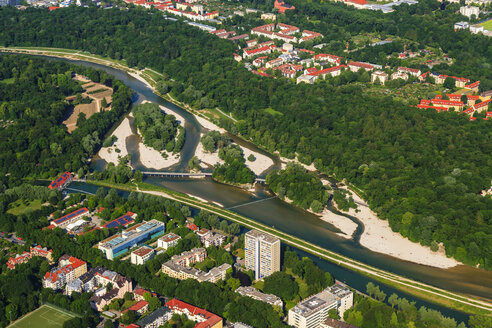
x=265 y=237
x=142 y=251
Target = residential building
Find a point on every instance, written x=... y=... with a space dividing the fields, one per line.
x=333 y=71
x=332 y=323
x=473 y=86
x=262 y=253
x=257 y=51
x=468 y=11
x=203 y=318
x=68 y=271
x=356 y=66
x=62 y=181
x=213 y=238
x=411 y=71
x=461 y=26
x=380 y=76
x=268 y=16
x=140 y=307
x=259 y=296
x=192 y=226
x=142 y=255
x=399 y=75
x=309 y=79
x=156 y=319
x=360 y=4
x=475 y=29
x=169 y=240
x=120 y=243
x=313 y=311
x=330 y=58
x=138 y=294
x=120 y=286
x=26 y=256
x=178 y=267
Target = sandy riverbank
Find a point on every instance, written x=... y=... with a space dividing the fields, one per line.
x=209 y=125
x=260 y=164
x=284 y=161
x=109 y=154
x=152 y=159
x=346 y=226
x=379 y=238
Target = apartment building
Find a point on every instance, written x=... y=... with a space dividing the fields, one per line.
x=70 y=268
x=169 y=240
x=313 y=311
x=259 y=296
x=262 y=253
x=203 y=318
x=142 y=255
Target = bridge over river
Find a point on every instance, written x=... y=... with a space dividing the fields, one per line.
x=185 y=175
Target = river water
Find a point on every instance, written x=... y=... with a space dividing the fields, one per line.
x=292 y=220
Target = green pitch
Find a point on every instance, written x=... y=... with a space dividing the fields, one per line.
x=487 y=25
x=45 y=316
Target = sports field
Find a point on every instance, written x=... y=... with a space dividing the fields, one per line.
x=44 y=316
x=487 y=25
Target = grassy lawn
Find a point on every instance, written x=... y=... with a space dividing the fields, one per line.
x=19 y=207
x=273 y=111
x=8 y=81
x=45 y=316
x=303 y=287
x=487 y=25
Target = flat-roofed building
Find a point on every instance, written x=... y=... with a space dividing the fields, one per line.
x=380 y=76
x=262 y=253
x=156 y=319
x=259 y=296
x=120 y=243
x=70 y=218
x=313 y=311
x=142 y=255
x=168 y=240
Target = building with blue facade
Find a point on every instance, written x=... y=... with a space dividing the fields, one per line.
x=121 y=243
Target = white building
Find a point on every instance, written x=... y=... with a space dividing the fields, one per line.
x=476 y=29
x=169 y=240
x=461 y=26
x=468 y=11
x=142 y=255
x=380 y=76
x=262 y=253
x=313 y=311
x=254 y=293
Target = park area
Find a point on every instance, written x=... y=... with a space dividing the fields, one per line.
x=487 y=25
x=46 y=316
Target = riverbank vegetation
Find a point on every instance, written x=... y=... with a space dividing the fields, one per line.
x=234 y=169
x=159 y=130
x=400 y=157
x=298 y=185
x=33 y=141
x=396 y=312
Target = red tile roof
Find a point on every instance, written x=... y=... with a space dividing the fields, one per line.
x=182 y=307
x=327 y=70
x=55 y=184
x=472 y=85
x=137 y=306
x=359 y=64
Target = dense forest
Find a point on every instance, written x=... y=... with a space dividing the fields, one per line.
x=33 y=140
x=420 y=170
x=159 y=131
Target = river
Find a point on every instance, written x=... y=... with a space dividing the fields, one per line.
x=274 y=212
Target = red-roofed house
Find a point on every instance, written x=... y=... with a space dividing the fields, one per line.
x=333 y=71
x=203 y=318
x=192 y=226
x=411 y=71
x=140 y=307
x=138 y=294
x=282 y=6
x=257 y=51
x=473 y=86
x=25 y=256
x=58 y=278
x=355 y=66
x=142 y=255
x=53 y=8
x=274 y=63
x=356 y=3
x=330 y=58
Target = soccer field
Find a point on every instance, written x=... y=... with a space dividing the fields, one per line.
x=487 y=25
x=44 y=316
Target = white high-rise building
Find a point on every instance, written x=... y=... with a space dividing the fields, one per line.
x=468 y=11
x=262 y=253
